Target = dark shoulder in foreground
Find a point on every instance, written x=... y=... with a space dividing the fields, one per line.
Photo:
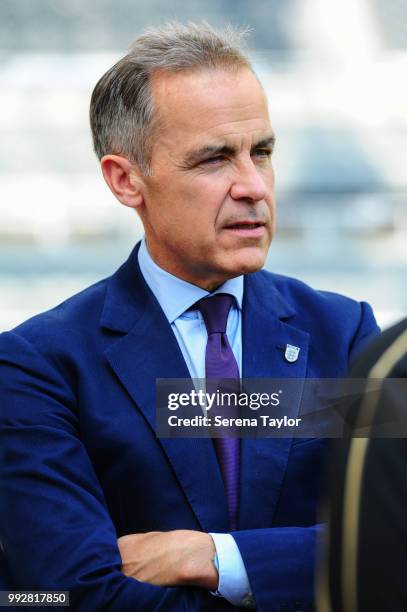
x=395 y=339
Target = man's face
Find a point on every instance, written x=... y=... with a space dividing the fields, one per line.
x=208 y=208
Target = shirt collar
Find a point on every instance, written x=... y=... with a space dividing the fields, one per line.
x=175 y=295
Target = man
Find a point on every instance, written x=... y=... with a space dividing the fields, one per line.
x=367 y=489
x=181 y=127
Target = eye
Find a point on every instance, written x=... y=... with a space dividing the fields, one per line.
x=213 y=160
x=263 y=153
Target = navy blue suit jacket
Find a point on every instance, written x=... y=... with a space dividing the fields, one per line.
x=80 y=464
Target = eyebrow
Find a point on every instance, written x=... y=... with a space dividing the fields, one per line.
x=209 y=150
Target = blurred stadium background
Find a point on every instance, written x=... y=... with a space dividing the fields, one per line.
x=335 y=73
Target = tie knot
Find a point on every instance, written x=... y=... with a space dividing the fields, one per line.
x=215 y=312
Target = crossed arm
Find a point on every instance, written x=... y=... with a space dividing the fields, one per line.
x=56 y=532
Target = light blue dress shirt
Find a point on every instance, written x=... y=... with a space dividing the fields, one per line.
x=175 y=296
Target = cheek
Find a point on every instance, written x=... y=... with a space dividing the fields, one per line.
x=271 y=203
x=209 y=194
x=190 y=207
x=269 y=182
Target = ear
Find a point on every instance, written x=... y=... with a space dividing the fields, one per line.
x=124 y=180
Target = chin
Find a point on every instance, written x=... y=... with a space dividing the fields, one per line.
x=249 y=262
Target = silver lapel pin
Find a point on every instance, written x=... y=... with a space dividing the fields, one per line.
x=291 y=353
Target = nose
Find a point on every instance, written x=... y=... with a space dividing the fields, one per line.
x=248 y=184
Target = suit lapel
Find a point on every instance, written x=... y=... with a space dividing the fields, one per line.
x=265 y=334
x=148 y=351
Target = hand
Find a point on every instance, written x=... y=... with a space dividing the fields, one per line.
x=171 y=558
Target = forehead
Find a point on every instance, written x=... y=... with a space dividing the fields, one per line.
x=212 y=103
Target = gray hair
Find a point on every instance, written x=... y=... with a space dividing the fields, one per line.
x=122 y=114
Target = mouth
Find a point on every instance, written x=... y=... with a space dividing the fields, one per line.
x=247 y=229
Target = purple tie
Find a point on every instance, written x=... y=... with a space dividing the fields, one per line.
x=220 y=364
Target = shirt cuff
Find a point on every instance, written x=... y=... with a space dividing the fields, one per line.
x=233 y=581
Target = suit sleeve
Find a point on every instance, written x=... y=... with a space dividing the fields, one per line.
x=280 y=564
x=280 y=561
x=55 y=530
